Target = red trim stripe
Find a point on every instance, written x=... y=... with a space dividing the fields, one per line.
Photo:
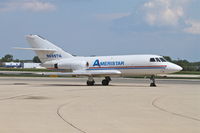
x=129 y=67
x=124 y=67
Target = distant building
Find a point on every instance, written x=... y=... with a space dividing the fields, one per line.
x=21 y=65
x=31 y=65
x=12 y=64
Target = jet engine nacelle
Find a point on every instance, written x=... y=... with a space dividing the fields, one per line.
x=67 y=65
x=72 y=65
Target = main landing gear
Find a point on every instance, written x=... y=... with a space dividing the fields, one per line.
x=152 y=81
x=105 y=82
x=90 y=81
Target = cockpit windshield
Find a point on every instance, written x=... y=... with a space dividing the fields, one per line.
x=161 y=59
x=158 y=60
x=152 y=60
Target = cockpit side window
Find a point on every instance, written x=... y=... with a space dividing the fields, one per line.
x=152 y=60
x=158 y=60
x=163 y=60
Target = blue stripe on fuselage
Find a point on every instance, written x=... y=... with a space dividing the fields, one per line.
x=124 y=68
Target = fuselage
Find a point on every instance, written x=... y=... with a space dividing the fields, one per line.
x=128 y=65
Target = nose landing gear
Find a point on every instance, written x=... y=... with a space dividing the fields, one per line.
x=152 y=81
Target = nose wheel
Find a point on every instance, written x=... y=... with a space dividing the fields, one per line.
x=152 y=81
x=106 y=81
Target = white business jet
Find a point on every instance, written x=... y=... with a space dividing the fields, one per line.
x=53 y=57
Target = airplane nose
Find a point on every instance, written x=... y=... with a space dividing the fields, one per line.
x=172 y=68
x=179 y=68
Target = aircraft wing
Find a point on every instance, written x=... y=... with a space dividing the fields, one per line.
x=93 y=73
x=97 y=73
x=17 y=72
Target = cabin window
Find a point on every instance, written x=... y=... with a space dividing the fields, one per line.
x=158 y=60
x=56 y=66
x=163 y=60
x=152 y=60
x=87 y=64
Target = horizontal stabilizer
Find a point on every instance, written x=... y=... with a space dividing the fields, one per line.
x=36 y=49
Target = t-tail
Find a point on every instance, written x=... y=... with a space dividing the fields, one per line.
x=45 y=50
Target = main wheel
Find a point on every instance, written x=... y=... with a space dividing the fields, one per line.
x=105 y=82
x=90 y=83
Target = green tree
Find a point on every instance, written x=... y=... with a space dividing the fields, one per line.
x=186 y=65
x=7 y=58
x=36 y=59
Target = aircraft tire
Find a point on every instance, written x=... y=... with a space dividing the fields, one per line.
x=90 y=83
x=105 y=82
x=152 y=85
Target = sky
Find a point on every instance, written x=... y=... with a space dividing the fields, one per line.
x=104 y=27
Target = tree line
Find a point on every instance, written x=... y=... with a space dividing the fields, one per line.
x=186 y=65
x=10 y=58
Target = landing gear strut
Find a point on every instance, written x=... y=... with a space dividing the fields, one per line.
x=106 y=81
x=152 y=81
x=90 y=81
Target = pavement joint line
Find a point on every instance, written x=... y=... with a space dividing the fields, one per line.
x=13 y=97
x=154 y=104
x=66 y=121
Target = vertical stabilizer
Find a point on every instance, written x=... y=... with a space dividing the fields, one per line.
x=45 y=50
